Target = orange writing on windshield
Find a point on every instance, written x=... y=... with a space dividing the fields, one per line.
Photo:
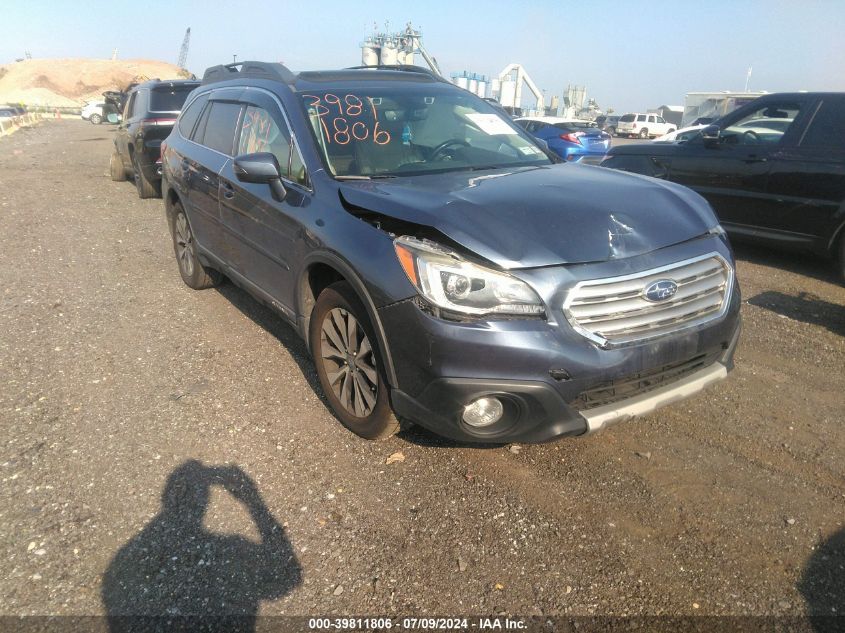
x=337 y=116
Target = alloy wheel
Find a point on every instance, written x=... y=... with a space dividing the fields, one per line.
x=350 y=364
x=184 y=245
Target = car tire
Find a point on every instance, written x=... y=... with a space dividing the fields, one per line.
x=96 y=119
x=611 y=131
x=116 y=170
x=671 y=129
x=644 y=133
x=146 y=189
x=193 y=273
x=350 y=369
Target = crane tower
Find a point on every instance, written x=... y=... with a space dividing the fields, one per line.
x=183 y=52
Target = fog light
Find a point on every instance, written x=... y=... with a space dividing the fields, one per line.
x=483 y=412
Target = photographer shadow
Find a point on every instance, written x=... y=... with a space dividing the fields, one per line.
x=823 y=585
x=177 y=575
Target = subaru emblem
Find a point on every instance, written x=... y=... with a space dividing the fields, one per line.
x=660 y=290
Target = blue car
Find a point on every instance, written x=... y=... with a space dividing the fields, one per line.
x=572 y=140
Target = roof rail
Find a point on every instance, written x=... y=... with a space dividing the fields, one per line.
x=252 y=70
x=408 y=68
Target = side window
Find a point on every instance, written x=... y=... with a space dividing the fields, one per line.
x=765 y=125
x=220 y=126
x=660 y=119
x=130 y=105
x=189 y=117
x=261 y=133
x=828 y=126
x=641 y=117
x=651 y=119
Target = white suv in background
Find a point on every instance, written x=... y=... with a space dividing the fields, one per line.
x=93 y=111
x=643 y=125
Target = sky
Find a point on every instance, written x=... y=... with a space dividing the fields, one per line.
x=630 y=55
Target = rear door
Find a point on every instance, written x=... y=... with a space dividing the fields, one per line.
x=121 y=139
x=734 y=174
x=264 y=229
x=215 y=133
x=807 y=181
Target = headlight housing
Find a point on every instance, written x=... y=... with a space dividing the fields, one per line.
x=453 y=283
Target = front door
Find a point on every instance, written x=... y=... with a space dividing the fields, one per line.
x=733 y=175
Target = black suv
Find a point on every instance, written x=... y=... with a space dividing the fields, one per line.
x=438 y=262
x=148 y=117
x=774 y=170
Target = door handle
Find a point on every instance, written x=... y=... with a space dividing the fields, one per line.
x=228 y=190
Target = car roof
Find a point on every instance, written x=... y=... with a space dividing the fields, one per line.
x=238 y=73
x=152 y=83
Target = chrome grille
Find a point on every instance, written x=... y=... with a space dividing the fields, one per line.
x=614 y=311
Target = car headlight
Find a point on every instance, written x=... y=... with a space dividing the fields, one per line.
x=453 y=283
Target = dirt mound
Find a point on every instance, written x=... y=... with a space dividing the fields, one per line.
x=72 y=82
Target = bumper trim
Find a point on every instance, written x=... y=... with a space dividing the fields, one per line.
x=604 y=416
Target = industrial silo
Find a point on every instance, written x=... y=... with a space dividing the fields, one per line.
x=482 y=87
x=369 y=53
x=507 y=94
x=473 y=85
x=389 y=53
x=461 y=80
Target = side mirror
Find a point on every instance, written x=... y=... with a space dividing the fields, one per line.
x=261 y=168
x=711 y=135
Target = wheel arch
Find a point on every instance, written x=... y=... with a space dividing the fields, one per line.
x=320 y=270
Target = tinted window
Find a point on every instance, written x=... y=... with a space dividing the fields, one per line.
x=169 y=98
x=627 y=118
x=828 y=127
x=261 y=133
x=575 y=125
x=765 y=125
x=641 y=117
x=220 y=127
x=189 y=117
x=127 y=111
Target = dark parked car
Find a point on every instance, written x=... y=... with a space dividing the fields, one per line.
x=774 y=170
x=607 y=123
x=148 y=117
x=438 y=262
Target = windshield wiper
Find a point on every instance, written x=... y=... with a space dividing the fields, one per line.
x=373 y=177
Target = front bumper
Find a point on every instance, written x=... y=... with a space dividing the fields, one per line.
x=552 y=381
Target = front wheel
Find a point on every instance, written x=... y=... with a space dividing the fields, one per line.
x=348 y=363
x=116 y=170
x=96 y=119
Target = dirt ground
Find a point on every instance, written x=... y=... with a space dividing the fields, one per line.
x=167 y=451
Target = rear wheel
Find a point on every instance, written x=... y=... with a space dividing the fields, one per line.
x=348 y=363
x=193 y=273
x=611 y=131
x=116 y=170
x=146 y=189
x=644 y=133
x=96 y=119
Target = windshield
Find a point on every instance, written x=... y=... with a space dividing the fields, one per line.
x=399 y=131
x=169 y=98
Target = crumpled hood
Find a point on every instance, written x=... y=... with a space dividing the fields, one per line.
x=542 y=216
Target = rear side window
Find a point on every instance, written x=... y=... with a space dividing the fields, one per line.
x=189 y=117
x=220 y=126
x=169 y=98
x=828 y=126
x=641 y=117
x=628 y=118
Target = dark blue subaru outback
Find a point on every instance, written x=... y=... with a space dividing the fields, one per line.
x=442 y=266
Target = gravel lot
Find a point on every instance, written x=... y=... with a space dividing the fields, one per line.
x=167 y=451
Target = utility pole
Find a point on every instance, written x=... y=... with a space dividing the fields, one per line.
x=234 y=59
